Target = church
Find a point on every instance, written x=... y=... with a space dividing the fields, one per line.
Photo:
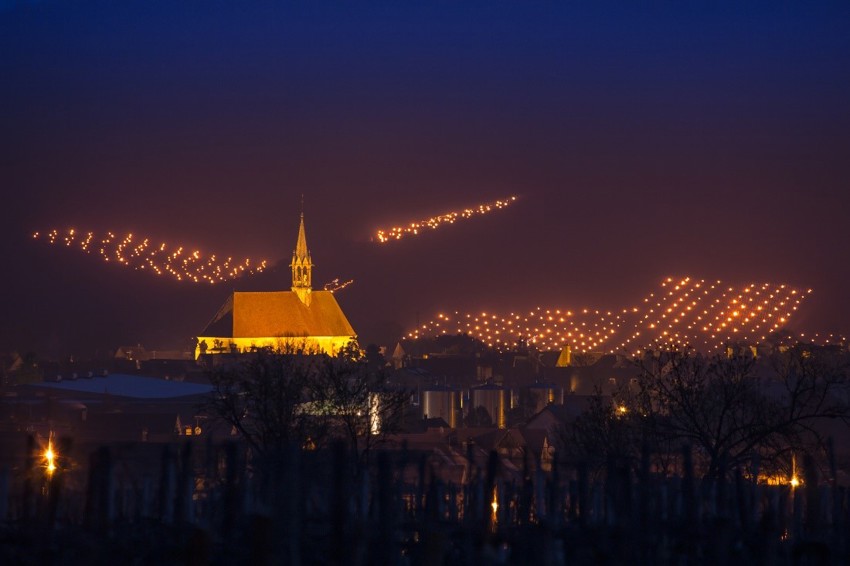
x=298 y=319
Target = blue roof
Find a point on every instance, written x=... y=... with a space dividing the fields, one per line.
x=123 y=385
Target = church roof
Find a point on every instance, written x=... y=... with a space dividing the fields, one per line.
x=278 y=313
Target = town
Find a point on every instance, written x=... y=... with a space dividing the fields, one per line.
x=278 y=407
x=421 y=283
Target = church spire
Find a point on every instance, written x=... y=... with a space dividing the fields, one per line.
x=301 y=251
x=302 y=266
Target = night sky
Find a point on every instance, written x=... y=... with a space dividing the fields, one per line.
x=644 y=142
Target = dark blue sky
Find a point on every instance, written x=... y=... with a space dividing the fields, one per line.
x=702 y=139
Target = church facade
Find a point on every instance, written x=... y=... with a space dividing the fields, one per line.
x=300 y=319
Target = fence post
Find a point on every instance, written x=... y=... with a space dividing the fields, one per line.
x=231 y=489
x=4 y=494
x=339 y=504
x=555 y=497
x=28 y=500
x=689 y=503
x=185 y=487
x=741 y=496
x=608 y=491
x=420 y=489
x=166 y=486
x=489 y=486
x=290 y=506
x=53 y=493
x=144 y=507
x=583 y=495
x=722 y=496
x=99 y=508
x=837 y=492
x=797 y=517
x=812 y=522
x=688 y=485
x=541 y=506
x=385 y=542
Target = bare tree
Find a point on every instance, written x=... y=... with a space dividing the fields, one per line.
x=734 y=410
x=813 y=386
x=357 y=403
x=276 y=398
x=601 y=433
x=261 y=396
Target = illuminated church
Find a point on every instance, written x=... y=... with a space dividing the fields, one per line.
x=299 y=319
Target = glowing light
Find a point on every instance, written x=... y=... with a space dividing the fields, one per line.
x=704 y=311
x=161 y=259
x=334 y=285
x=414 y=228
x=50 y=458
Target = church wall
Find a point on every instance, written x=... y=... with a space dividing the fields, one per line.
x=330 y=345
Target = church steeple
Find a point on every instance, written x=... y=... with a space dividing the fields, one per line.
x=302 y=267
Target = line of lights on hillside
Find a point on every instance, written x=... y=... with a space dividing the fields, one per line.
x=415 y=228
x=336 y=285
x=704 y=314
x=162 y=259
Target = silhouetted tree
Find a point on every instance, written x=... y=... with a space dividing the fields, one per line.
x=735 y=410
x=375 y=361
x=732 y=407
x=356 y=402
x=599 y=434
x=275 y=398
x=261 y=397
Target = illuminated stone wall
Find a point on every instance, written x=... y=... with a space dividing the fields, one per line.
x=330 y=345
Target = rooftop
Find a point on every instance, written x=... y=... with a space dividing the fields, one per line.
x=134 y=386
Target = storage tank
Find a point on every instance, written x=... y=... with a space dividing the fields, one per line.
x=438 y=401
x=493 y=398
x=546 y=394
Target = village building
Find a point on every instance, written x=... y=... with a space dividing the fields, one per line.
x=301 y=319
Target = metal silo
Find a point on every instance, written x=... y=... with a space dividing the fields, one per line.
x=546 y=394
x=438 y=401
x=493 y=398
